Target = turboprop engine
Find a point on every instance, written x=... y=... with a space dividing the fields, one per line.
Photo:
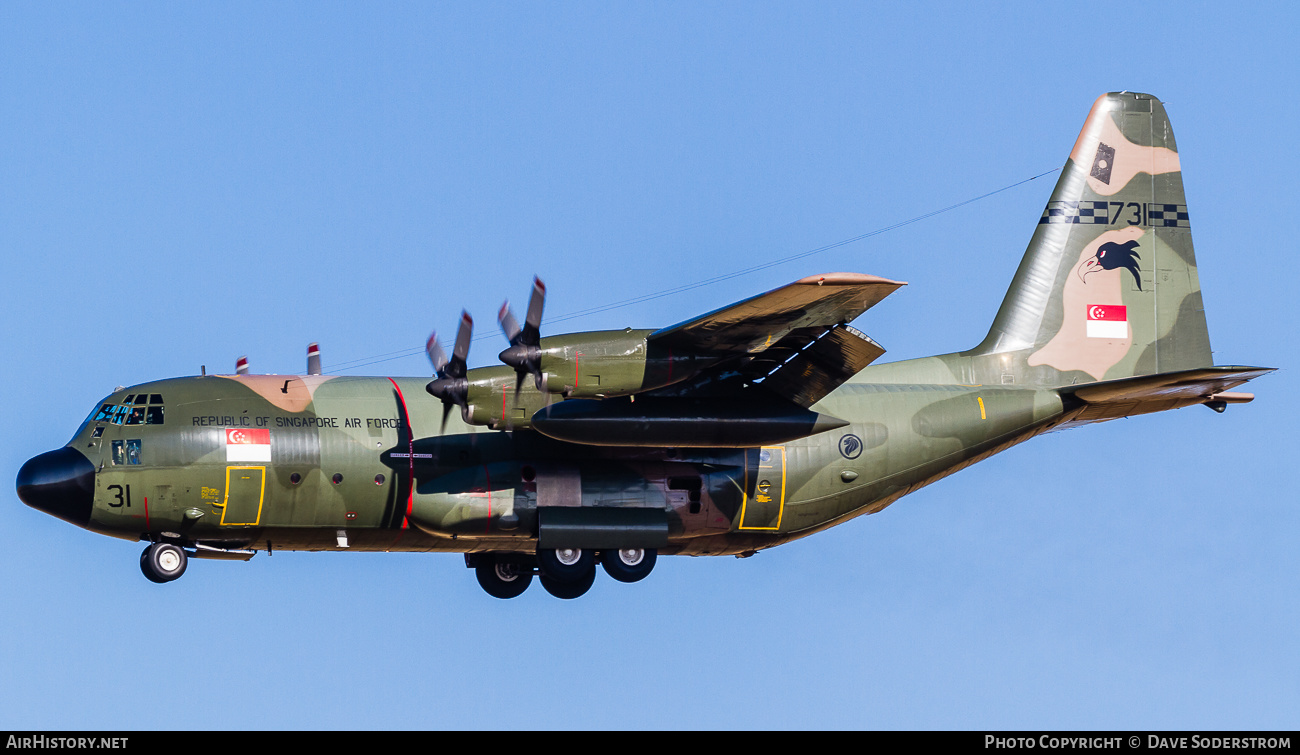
x=593 y=365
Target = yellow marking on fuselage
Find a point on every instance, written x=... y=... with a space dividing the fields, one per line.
x=261 y=496
x=780 y=506
x=982 y=414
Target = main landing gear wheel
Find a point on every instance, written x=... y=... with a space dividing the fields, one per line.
x=629 y=564
x=567 y=565
x=569 y=589
x=163 y=562
x=502 y=580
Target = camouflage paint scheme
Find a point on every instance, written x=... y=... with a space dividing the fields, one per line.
x=362 y=463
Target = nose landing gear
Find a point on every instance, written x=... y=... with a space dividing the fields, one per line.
x=163 y=562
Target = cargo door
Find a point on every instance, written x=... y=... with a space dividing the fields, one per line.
x=245 y=488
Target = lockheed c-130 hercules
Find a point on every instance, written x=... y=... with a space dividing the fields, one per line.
x=745 y=428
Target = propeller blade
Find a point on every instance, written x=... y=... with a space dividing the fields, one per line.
x=532 y=332
x=459 y=352
x=509 y=325
x=524 y=353
x=451 y=387
x=313 y=359
x=519 y=383
x=437 y=357
x=241 y=366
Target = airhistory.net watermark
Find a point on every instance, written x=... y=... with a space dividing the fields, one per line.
x=42 y=742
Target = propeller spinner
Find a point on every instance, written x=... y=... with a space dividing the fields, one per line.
x=524 y=353
x=451 y=386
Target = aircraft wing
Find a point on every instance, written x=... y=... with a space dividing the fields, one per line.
x=815 y=303
x=794 y=341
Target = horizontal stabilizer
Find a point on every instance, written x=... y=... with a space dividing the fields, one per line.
x=1154 y=393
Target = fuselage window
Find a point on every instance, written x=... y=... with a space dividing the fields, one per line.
x=126 y=452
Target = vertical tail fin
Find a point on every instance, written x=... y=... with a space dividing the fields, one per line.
x=1108 y=286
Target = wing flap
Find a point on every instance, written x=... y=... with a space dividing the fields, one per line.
x=817 y=364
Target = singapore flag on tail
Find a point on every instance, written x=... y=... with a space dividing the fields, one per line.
x=248 y=445
x=1105 y=321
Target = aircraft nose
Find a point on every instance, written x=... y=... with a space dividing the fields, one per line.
x=61 y=483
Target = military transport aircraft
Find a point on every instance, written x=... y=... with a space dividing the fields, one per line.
x=745 y=428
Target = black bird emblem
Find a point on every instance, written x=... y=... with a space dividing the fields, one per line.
x=1111 y=256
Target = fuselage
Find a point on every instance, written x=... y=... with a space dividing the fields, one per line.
x=360 y=463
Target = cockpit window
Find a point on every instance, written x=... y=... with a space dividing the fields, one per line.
x=136 y=409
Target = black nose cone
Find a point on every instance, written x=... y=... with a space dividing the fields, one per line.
x=61 y=483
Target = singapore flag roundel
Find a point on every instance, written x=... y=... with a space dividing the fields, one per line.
x=1105 y=321
x=248 y=445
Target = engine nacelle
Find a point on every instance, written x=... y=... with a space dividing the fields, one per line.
x=605 y=364
x=594 y=365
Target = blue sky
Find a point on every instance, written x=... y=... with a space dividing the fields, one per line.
x=182 y=184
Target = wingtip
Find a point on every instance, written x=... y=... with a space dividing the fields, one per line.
x=846 y=279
